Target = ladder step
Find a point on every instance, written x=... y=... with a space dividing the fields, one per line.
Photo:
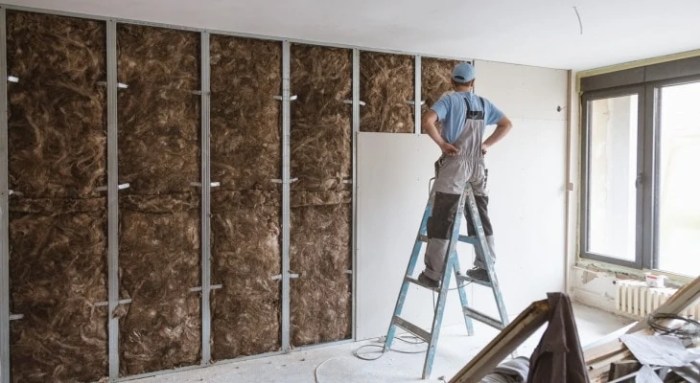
x=465 y=278
x=417 y=282
x=469 y=239
x=413 y=329
x=462 y=238
x=483 y=318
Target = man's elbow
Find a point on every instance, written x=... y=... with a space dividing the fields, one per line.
x=429 y=117
x=505 y=124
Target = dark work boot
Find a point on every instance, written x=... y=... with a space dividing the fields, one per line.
x=479 y=274
x=425 y=280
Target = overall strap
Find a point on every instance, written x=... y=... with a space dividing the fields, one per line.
x=474 y=114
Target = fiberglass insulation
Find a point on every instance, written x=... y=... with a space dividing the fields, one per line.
x=321 y=214
x=57 y=146
x=436 y=80
x=159 y=242
x=386 y=87
x=245 y=157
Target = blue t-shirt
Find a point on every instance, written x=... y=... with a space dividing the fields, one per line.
x=451 y=109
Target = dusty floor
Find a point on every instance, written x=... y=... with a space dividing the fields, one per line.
x=336 y=363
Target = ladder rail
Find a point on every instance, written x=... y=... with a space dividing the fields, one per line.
x=444 y=288
x=418 y=244
x=487 y=255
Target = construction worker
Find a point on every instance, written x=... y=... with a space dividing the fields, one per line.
x=463 y=116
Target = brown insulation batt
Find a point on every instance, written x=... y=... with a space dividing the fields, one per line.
x=57 y=218
x=56 y=129
x=386 y=84
x=57 y=265
x=245 y=156
x=321 y=141
x=320 y=253
x=246 y=254
x=321 y=158
x=246 y=75
x=159 y=157
x=436 y=79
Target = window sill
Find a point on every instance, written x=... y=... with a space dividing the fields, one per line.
x=623 y=272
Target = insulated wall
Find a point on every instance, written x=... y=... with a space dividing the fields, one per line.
x=387 y=89
x=159 y=214
x=321 y=199
x=246 y=77
x=57 y=160
x=436 y=80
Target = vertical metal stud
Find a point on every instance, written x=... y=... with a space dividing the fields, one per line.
x=4 y=211
x=286 y=178
x=112 y=201
x=355 y=133
x=417 y=104
x=206 y=198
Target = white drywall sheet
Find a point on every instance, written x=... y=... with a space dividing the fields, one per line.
x=527 y=189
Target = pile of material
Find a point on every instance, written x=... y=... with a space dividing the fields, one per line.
x=633 y=354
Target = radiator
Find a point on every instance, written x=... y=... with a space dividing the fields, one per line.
x=636 y=300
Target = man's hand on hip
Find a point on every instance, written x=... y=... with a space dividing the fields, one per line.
x=449 y=149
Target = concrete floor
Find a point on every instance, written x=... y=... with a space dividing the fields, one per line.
x=336 y=363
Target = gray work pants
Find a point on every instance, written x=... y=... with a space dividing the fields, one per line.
x=452 y=174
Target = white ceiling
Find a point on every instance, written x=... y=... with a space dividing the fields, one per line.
x=533 y=32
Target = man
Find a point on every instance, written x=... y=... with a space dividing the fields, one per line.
x=463 y=116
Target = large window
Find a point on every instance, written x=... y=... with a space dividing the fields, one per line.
x=679 y=179
x=641 y=167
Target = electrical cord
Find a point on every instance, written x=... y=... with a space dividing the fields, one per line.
x=689 y=329
x=409 y=339
x=406 y=338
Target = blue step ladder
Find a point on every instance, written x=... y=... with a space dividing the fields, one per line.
x=451 y=266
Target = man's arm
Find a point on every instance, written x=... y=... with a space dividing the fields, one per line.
x=429 y=120
x=502 y=128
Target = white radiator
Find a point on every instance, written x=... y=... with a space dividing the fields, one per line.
x=636 y=300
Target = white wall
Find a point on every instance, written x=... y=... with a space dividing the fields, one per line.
x=527 y=179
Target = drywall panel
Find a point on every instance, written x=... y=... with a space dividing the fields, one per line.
x=527 y=182
x=386 y=88
x=523 y=92
x=392 y=190
x=527 y=190
x=57 y=160
x=321 y=199
x=159 y=214
x=246 y=76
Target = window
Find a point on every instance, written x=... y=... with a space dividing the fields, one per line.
x=641 y=167
x=612 y=173
x=679 y=179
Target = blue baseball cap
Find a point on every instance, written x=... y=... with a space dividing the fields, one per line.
x=463 y=72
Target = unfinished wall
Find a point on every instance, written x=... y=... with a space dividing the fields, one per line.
x=436 y=80
x=321 y=214
x=386 y=87
x=57 y=146
x=159 y=241
x=245 y=158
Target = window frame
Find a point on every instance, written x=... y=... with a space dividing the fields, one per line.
x=655 y=90
x=586 y=101
x=646 y=82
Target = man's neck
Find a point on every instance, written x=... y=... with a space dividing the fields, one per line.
x=464 y=88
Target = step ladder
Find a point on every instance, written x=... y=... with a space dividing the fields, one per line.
x=451 y=266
